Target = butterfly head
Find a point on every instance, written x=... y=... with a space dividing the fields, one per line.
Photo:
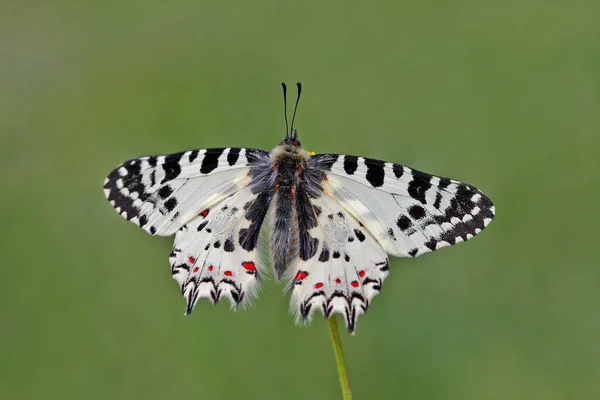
x=291 y=139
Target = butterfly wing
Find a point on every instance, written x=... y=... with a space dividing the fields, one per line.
x=407 y=211
x=162 y=193
x=215 y=254
x=206 y=198
x=344 y=272
x=367 y=209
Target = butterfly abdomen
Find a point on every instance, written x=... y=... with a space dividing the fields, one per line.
x=284 y=237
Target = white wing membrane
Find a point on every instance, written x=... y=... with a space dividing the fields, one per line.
x=207 y=258
x=409 y=212
x=162 y=193
x=345 y=272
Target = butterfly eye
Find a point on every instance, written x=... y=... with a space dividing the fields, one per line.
x=282 y=142
x=296 y=142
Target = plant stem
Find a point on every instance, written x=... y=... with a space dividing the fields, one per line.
x=339 y=358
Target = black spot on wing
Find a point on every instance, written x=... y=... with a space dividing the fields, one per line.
x=350 y=164
x=193 y=155
x=444 y=183
x=438 y=200
x=359 y=235
x=170 y=204
x=324 y=257
x=375 y=172
x=233 y=155
x=431 y=244
x=416 y=211
x=403 y=222
x=419 y=185
x=211 y=160
x=256 y=213
x=171 y=167
x=398 y=170
x=229 y=246
x=165 y=192
x=143 y=220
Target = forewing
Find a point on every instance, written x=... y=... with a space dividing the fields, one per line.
x=162 y=193
x=409 y=212
x=345 y=269
x=215 y=254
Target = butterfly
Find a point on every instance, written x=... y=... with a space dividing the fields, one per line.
x=330 y=220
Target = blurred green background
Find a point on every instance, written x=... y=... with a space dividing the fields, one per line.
x=504 y=95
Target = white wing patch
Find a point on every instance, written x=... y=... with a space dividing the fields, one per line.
x=346 y=271
x=162 y=193
x=207 y=258
x=409 y=212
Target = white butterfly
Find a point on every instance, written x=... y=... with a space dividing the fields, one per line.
x=333 y=220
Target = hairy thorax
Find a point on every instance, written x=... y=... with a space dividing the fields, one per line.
x=289 y=151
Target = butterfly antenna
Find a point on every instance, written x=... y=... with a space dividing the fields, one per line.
x=299 y=85
x=285 y=108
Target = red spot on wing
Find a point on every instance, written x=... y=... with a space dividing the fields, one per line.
x=338 y=281
x=249 y=266
x=318 y=285
x=196 y=269
x=354 y=284
x=210 y=268
x=301 y=275
x=361 y=273
x=191 y=259
x=204 y=213
x=228 y=273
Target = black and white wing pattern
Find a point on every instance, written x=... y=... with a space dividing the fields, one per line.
x=205 y=197
x=366 y=210
x=162 y=193
x=215 y=254
x=342 y=271
x=334 y=219
x=408 y=212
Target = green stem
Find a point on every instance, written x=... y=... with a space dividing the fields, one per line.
x=339 y=358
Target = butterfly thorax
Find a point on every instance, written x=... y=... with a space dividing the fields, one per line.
x=287 y=150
